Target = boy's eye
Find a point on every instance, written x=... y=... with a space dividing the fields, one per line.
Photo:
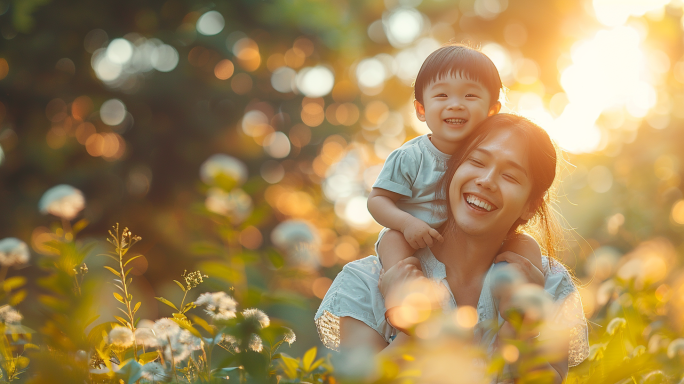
x=441 y=95
x=472 y=95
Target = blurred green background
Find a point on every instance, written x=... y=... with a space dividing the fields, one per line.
x=125 y=100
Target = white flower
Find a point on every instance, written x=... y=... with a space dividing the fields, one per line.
x=219 y=305
x=121 y=336
x=9 y=315
x=236 y=204
x=166 y=329
x=154 y=371
x=258 y=315
x=146 y=337
x=289 y=336
x=230 y=342
x=221 y=164
x=13 y=252
x=255 y=343
x=62 y=201
x=300 y=239
x=192 y=342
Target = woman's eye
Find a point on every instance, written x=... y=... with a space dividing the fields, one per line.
x=511 y=178
x=476 y=162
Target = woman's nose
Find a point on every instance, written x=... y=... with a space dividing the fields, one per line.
x=486 y=181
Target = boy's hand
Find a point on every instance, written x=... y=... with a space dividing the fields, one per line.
x=524 y=266
x=420 y=235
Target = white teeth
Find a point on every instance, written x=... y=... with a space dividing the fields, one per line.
x=455 y=121
x=479 y=203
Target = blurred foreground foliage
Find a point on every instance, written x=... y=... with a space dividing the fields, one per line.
x=269 y=230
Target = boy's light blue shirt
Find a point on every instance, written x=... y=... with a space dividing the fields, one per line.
x=413 y=171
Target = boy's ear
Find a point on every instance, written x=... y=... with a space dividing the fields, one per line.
x=420 y=110
x=494 y=109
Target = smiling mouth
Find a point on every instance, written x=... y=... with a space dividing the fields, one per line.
x=479 y=204
x=455 y=121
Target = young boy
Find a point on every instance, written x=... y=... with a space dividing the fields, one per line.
x=456 y=88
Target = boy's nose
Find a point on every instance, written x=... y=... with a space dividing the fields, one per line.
x=455 y=106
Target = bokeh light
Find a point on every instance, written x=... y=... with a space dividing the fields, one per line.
x=210 y=23
x=403 y=26
x=315 y=81
x=113 y=112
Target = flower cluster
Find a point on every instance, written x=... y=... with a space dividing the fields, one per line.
x=218 y=305
x=9 y=315
x=13 y=252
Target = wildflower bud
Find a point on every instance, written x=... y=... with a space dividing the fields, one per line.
x=13 y=252
x=84 y=268
x=257 y=315
x=121 y=336
x=676 y=348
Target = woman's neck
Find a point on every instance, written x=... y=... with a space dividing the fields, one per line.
x=467 y=258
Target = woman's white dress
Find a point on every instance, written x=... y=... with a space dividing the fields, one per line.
x=355 y=293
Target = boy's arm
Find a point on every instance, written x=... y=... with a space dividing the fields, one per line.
x=382 y=205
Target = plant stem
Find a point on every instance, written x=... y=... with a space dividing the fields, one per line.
x=173 y=362
x=126 y=301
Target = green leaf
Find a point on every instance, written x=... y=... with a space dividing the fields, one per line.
x=113 y=271
x=13 y=282
x=137 y=306
x=95 y=334
x=131 y=259
x=170 y=304
x=21 y=362
x=180 y=285
x=223 y=372
x=89 y=321
x=308 y=359
x=148 y=357
x=128 y=271
x=118 y=297
x=317 y=363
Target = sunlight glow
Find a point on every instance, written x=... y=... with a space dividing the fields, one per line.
x=616 y=12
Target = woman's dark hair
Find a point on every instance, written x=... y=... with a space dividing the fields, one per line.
x=543 y=164
x=462 y=60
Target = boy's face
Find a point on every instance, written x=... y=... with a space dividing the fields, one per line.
x=453 y=106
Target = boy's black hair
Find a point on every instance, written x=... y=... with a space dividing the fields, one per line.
x=458 y=59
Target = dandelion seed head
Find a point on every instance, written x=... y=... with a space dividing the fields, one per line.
x=255 y=343
x=258 y=315
x=154 y=371
x=166 y=329
x=192 y=342
x=230 y=342
x=9 y=315
x=289 y=336
x=146 y=337
x=218 y=305
x=13 y=252
x=63 y=201
x=121 y=336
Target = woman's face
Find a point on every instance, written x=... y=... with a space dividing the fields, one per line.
x=491 y=189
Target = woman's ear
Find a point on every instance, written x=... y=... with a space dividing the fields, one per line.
x=494 y=109
x=420 y=110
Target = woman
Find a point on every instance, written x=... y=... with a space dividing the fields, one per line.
x=511 y=163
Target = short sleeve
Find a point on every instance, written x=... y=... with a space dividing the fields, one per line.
x=398 y=173
x=568 y=316
x=353 y=293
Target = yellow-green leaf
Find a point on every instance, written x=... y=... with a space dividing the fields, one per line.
x=170 y=304
x=17 y=297
x=113 y=271
x=203 y=323
x=13 y=282
x=76 y=228
x=148 y=357
x=118 y=297
x=121 y=320
x=289 y=365
x=131 y=259
x=135 y=309
x=316 y=364
x=180 y=285
x=308 y=359
x=185 y=324
x=21 y=362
